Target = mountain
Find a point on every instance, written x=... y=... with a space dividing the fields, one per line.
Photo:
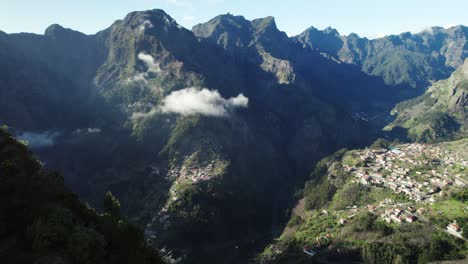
x=372 y=206
x=203 y=135
x=44 y=222
x=407 y=58
x=176 y=166
x=439 y=114
x=261 y=43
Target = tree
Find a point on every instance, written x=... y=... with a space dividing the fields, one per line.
x=380 y=143
x=111 y=205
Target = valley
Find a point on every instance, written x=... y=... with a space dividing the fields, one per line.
x=206 y=138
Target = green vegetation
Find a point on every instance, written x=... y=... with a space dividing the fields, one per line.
x=351 y=194
x=318 y=193
x=41 y=220
x=338 y=222
x=439 y=114
x=380 y=144
x=319 y=190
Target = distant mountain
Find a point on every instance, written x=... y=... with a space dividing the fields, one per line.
x=440 y=113
x=261 y=43
x=43 y=222
x=409 y=59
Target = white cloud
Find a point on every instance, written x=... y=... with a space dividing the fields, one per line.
x=140 y=77
x=150 y=62
x=429 y=30
x=38 y=139
x=193 y=100
x=89 y=130
x=206 y=102
x=95 y=130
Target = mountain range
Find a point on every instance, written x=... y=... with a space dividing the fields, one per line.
x=205 y=134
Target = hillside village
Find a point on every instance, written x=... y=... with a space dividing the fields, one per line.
x=379 y=194
x=424 y=173
x=420 y=171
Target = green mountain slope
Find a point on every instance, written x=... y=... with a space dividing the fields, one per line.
x=440 y=113
x=43 y=222
x=380 y=206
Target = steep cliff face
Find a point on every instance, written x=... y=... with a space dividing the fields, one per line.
x=440 y=113
x=405 y=59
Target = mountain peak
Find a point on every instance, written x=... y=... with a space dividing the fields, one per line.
x=263 y=24
x=330 y=30
x=152 y=13
x=57 y=31
x=53 y=29
x=354 y=36
x=151 y=18
x=222 y=23
x=328 y=40
x=326 y=31
x=229 y=16
x=226 y=30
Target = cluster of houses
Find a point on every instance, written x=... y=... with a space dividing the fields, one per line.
x=194 y=173
x=399 y=214
x=395 y=169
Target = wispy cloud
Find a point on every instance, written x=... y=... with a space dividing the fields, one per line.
x=193 y=100
x=206 y=102
x=38 y=139
x=150 y=62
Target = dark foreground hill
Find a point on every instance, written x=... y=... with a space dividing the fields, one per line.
x=41 y=221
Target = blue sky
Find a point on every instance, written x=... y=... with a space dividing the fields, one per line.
x=370 y=18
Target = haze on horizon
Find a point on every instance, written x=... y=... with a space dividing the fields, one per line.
x=365 y=17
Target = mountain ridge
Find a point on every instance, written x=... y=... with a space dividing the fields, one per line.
x=440 y=113
x=202 y=165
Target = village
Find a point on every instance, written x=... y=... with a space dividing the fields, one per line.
x=423 y=173
x=193 y=173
